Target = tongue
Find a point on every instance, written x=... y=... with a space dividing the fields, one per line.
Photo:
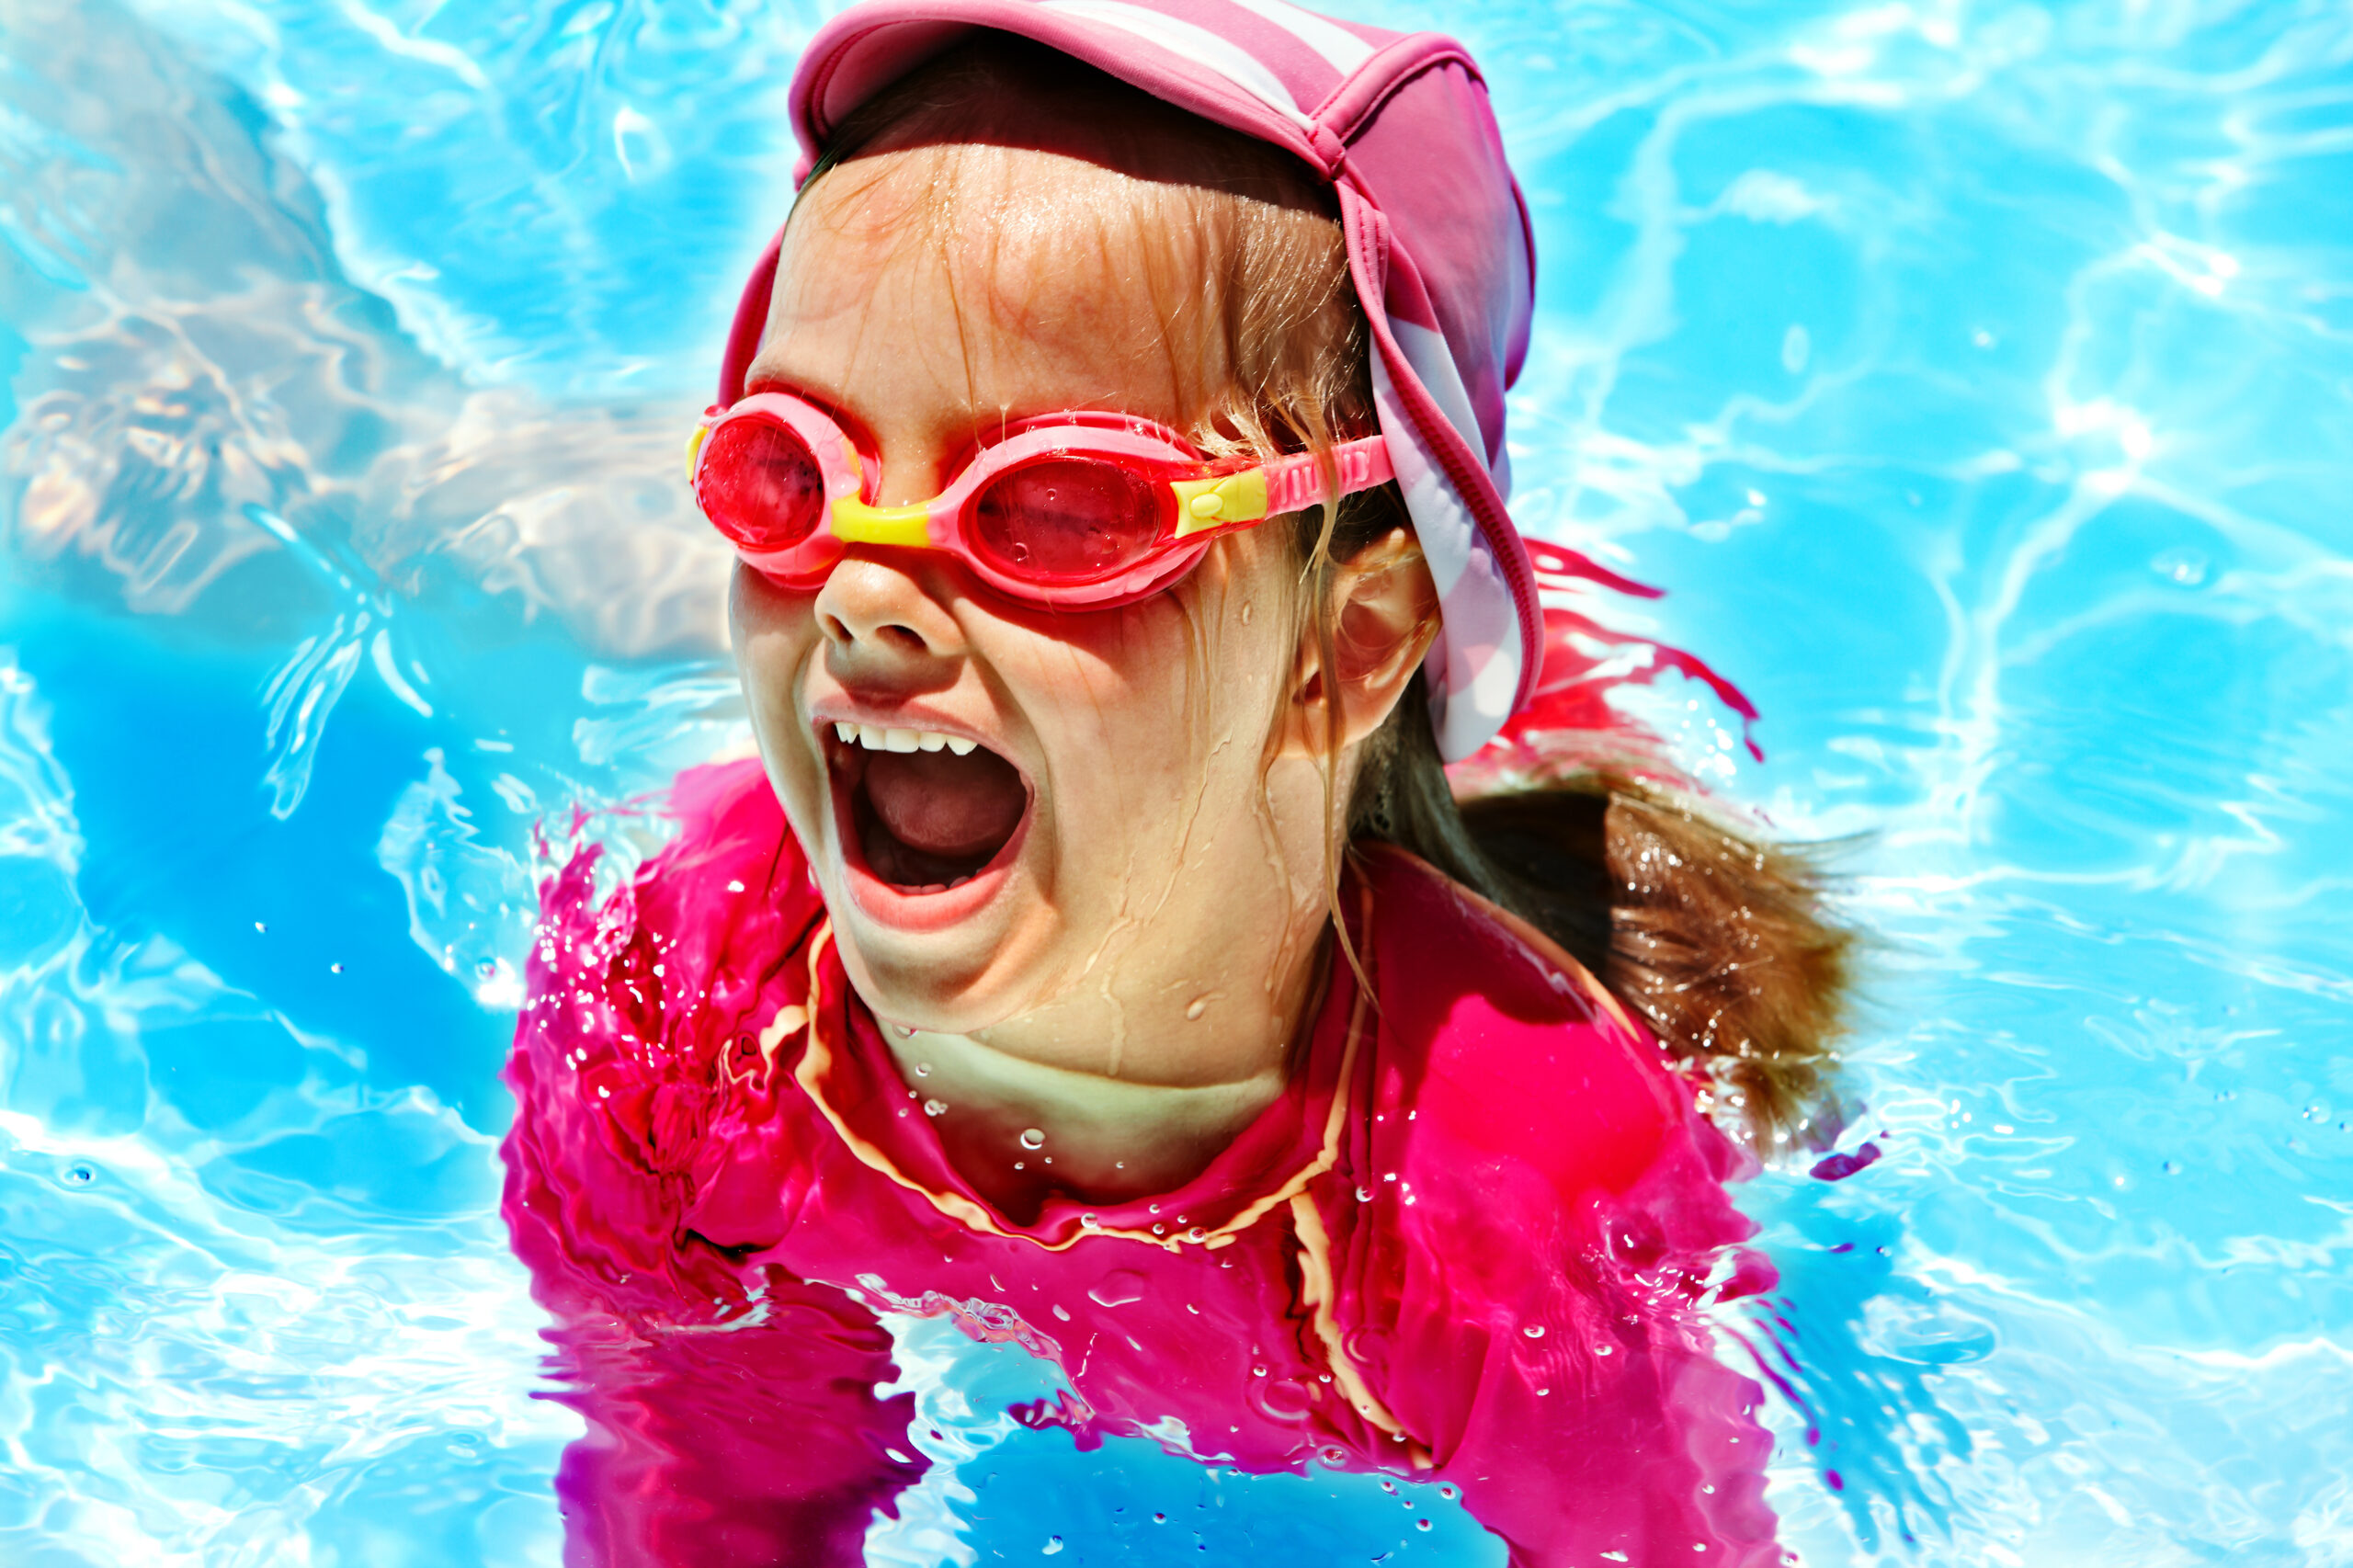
x=957 y=808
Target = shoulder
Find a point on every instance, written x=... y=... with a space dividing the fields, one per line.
x=654 y=1012
x=731 y=888
x=1509 y=1045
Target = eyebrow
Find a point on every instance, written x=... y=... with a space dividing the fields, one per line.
x=973 y=427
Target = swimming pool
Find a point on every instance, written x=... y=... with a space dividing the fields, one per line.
x=1979 y=377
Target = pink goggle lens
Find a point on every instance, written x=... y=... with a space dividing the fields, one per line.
x=1069 y=518
x=760 y=486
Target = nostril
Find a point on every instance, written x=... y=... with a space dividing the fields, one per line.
x=897 y=637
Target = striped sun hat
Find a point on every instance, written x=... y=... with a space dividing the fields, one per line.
x=1438 y=247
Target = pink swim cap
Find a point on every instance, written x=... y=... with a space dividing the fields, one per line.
x=1438 y=246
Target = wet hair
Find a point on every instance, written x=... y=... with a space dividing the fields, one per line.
x=1724 y=944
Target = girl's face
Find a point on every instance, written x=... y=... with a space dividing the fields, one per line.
x=1123 y=853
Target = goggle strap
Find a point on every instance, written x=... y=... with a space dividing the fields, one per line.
x=1295 y=483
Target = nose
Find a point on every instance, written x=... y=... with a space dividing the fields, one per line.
x=885 y=606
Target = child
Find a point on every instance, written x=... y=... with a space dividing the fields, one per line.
x=1098 y=954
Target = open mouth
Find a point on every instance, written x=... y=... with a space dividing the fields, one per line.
x=921 y=811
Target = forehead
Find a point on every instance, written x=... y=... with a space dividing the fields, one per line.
x=998 y=278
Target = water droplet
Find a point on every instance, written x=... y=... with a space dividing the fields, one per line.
x=1021 y=1164
x=1160 y=1519
x=1160 y=1230
x=1091 y=1222
x=1534 y=1331
x=80 y=1176
x=1448 y=1490
x=934 y=1107
x=1032 y=1139
x=262 y=929
x=488 y=968
x=1258 y=1371
x=1199 y=1006
x=1197 y=1234
x=1053 y=1544
x=1151 y=1207
x=1421 y=1524
x=1118 y=1288
x=334 y=968
x=922 y=1070
x=1364 y=1195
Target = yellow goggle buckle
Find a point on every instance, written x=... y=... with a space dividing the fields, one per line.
x=1213 y=503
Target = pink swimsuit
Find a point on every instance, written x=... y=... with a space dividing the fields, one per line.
x=1467 y=1244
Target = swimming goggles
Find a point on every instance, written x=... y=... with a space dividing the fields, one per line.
x=1073 y=511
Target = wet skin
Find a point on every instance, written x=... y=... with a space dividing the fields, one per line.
x=1125 y=972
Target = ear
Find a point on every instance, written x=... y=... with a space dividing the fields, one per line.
x=1384 y=612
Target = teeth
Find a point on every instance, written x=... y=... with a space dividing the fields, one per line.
x=885 y=737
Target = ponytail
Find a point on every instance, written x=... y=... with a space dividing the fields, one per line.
x=1722 y=943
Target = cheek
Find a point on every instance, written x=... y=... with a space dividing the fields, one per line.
x=1155 y=715
x=774 y=633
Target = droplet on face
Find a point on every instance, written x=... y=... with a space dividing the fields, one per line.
x=1199 y=1006
x=933 y=1107
x=1032 y=1139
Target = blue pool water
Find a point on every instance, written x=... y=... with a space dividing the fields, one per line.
x=1979 y=376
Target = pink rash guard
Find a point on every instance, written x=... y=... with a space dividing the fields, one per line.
x=1468 y=1243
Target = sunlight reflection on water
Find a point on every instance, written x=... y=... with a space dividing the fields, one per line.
x=1974 y=376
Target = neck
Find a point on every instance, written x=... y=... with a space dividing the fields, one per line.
x=1141 y=1108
